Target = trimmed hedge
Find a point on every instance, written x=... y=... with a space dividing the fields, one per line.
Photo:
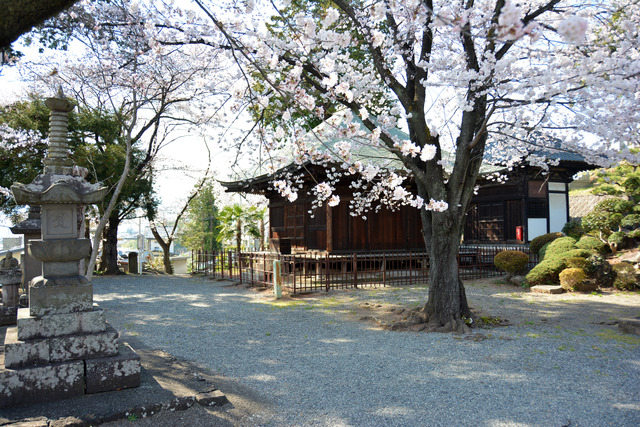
x=571 y=278
x=592 y=244
x=547 y=272
x=537 y=243
x=578 y=262
x=511 y=261
x=558 y=247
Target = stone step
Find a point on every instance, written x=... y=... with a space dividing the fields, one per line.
x=113 y=373
x=85 y=322
x=547 y=289
x=43 y=351
x=35 y=384
x=41 y=383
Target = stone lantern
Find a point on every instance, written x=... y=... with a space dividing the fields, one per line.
x=62 y=345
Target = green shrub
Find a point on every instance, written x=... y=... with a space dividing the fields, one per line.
x=635 y=234
x=600 y=270
x=511 y=262
x=626 y=277
x=558 y=247
x=537 y=243
x=631 y=221
x=606 y=216
x=577 y=262
x=573 y=229
x=616 y=238
x=592 y=244
x=582 y=253
x=570 y=278
x=546 y=273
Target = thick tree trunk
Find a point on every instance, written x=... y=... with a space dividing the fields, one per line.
x=447 y=303
x=109 y=261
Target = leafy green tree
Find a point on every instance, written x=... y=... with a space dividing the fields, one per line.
x=607 y=218
x=236 y=220
x=97 y=143
x=621 y=180
x=200 y=229
x=23 y=132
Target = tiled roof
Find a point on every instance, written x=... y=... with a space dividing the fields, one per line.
x=583 y=203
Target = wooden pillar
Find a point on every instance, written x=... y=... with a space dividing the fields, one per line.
x=329 y=229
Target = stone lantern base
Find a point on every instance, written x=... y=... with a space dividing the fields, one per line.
x=59 y=356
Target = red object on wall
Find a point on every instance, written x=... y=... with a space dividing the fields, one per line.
x=520 y=233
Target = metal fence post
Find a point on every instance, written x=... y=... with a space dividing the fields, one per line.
x=326 y=272
x=354 y=267
x=292 y=271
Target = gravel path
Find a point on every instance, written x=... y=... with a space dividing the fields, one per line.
x=321 y=368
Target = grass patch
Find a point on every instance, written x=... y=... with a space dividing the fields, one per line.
x=610 y=335
x=282 y=304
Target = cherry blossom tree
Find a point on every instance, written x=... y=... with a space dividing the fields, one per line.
x=463 y=79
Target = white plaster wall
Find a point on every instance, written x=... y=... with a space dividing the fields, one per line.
x=557 y=186
x=557 y=211
x=536 y=227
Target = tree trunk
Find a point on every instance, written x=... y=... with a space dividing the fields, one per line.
x=262 y=234
x=447 y=303
x=166 y=250
x=109 y=262
x=238 y=234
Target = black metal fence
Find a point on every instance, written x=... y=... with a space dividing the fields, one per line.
x=312 y=272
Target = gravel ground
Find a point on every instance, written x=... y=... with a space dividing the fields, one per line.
x=560 y=362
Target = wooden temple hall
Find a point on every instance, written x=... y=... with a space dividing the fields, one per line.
x=529 y=204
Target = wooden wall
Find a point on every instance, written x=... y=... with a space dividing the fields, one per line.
x=381 y=231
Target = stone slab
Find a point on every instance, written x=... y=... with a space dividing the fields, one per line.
x=18 y=354
x=85 y=322
x=8 y=315
x=60 y=269
x=43 y=383
x=100 y=344
x=60 y=295
x=547 y=289
x=113 y=373
x=58 y=349
x=211 y=398
x=630 y=326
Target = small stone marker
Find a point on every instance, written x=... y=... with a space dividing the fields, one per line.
x=11 y=278
x=277 y=279
x=547 y=289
